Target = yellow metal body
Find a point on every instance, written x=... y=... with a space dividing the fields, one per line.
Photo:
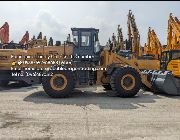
x=149 y=64
x=153 y=46
x=109 y=58
x=56 y=87
x=173 y=43
x=36 y=49
x=174 y=66
x=173 y=39
x=133 y=34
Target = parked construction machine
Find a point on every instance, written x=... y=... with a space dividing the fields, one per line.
x=25 y=39
x=169 y=60
x=134 y=49
x=4 y=34
x=133 y=35
x=4 y=39
x=155 y=59
x=86 y=63
x=12 y=50
x=153 y=47
x=173 y=40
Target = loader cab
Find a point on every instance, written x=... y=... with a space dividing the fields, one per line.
x=167 y=56
x=86 y=42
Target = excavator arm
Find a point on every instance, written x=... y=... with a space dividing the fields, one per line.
x=4 y=33
x=173 y=40
x=24 y=39
x=153 y=46
x=133 y=34
x=120 y=40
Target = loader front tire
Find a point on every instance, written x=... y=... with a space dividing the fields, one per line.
x=126 y=82
x=60 y=85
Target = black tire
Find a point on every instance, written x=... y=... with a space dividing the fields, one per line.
x=66 y=92
x=117 y=82
x=4 y=83
x=107 y=86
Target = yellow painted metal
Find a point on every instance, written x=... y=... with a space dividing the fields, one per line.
x=131 y=85
x=56 y=87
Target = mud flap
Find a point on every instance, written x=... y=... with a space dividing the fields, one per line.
x=166 y=83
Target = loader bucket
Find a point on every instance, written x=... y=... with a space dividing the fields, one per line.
x=166 y=83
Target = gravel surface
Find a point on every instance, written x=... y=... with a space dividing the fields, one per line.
x=91 y=113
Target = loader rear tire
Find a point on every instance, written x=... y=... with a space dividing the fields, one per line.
x=60 y=85
x=126 y=82
x=107 y=86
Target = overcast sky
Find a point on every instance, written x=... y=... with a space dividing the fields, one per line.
x=56 y=18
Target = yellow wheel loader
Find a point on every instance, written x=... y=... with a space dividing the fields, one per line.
x=86 y=63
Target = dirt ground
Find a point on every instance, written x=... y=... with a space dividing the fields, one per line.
x=28 y=113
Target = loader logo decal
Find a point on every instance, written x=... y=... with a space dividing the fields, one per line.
x=156 y=72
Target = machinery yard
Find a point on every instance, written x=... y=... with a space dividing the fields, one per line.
x=90 y=75
x=28 y=113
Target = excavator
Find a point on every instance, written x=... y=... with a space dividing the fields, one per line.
x=155 y=59
x=31 y=47
x=120 y=40
x=4 y=39
x=170 y=56
x=4 y=34
x=173 y=40
x=163 y=68
x=133 y=35
x=153 y=47
x=121 y=48
x=24 y=39
x=169 y=60
x=133 y=45
x=21 y=45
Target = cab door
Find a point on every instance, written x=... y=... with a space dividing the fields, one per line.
x=84 y=46
x=85 y=43
x=164 y=60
